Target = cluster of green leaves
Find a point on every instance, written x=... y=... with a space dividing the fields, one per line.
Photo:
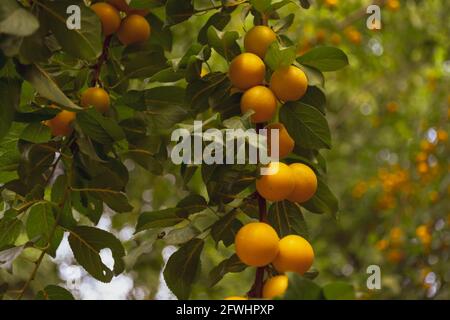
x=53 y=185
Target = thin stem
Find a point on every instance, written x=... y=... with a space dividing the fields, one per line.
x=257 y=288
x=33 y=275
x=101 y=60
x=51 y=234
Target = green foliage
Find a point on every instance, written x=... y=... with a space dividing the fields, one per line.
x=86 y=243
x=52 y=292
x=182 y=268
x=302 y=288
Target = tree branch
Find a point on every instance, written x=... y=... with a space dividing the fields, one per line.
x=97 y=68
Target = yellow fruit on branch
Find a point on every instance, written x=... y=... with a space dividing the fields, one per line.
x=427 y=146
x=262 y=101
x=335 y=39
x=257 y=244
x=258 y=40
x=109 y=17
x=393 y=5
x=277 y=186
x=97 y=98
x=321 y=36
x=421 y=157
x=331 y=3
x=295 y=255
x=382 y=245
x=305 y=183
x=285 y=143
x=61 y=124
x=289 y=83
x=397 y=236
x=247 y=70
x=442 y=135
x=395 y=256
x=134 y=29
x=353 y=35
x=275 y=287
x=422 y=231
x=392 y=107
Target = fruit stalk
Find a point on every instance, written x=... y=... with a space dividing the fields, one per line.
x=257 y=288
x=101 y=60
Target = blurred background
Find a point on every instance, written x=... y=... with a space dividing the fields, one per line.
x=389 y=116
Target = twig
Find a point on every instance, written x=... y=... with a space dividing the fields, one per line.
x=52 y=232
x=101 y=60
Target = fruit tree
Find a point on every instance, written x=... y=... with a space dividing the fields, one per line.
x=94 y=94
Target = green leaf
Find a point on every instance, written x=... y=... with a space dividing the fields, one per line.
x=306 y=125
x=324 y=58
x=15 y=20
x=226 y=228
x=36 y=132
x=182 y=268
x=85 y=43
x=46 y=86
x=261 y=5
x=284 y=23
x=158 y=219
x=224 y=182
x=10 y=229
x=34 y=48
x=98 y=127
x=143 y=61
x=179 y=236
x=231 y=265
x=200 y=92
x=301 y=288
x=10 y=93
x=161 y=36
x=287 y=218
x=115 y=199
x=219 y=20
x=164 y=107
x=52 y=292
x=305 y=3
x=9 y=154
x=178 y=11
x=61 y=195
x=315 y=77
x=40 y=224
x=224 y=43
x=38 y=115
x=167 y=75
x=338 y=291
x=277 y=57
x=35 y=160
x=191 y=204
x=324 y=201
x=315 y=97
x=86 y=243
